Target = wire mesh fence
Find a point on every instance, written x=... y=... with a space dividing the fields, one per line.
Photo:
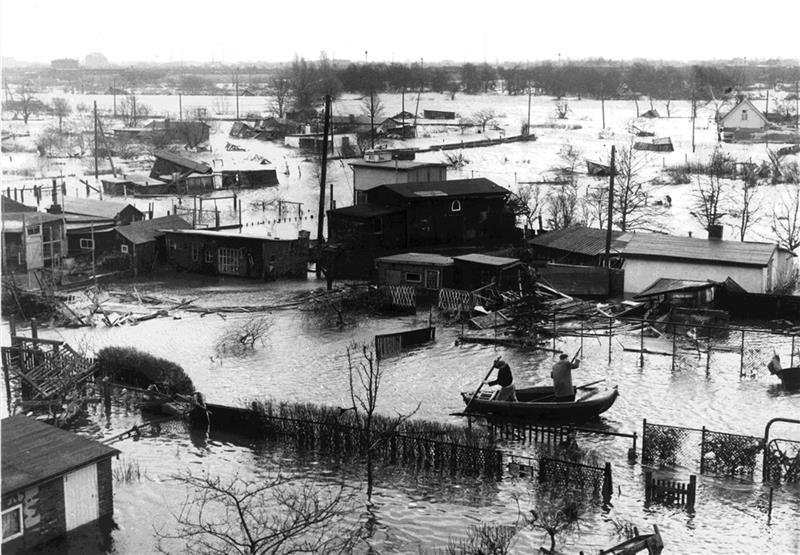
x=782 y=461
x=671 y=445
x=730 y=455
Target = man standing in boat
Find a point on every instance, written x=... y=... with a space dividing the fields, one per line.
x=562 y=378
x=505 y=380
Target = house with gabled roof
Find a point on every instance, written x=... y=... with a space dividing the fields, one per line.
x=578 y=245
x=756 y=267
x=744 y=115
x=368 y=173
x=144 y=242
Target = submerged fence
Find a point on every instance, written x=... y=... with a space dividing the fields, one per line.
x=726 y=454
x=389 y=344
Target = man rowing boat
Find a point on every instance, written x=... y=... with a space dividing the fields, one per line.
x=562 y=378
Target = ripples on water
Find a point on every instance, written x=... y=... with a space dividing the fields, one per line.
x=300 y=362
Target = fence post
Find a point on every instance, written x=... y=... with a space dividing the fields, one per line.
x=769 y=507
x=641 y=344
x=674 y=341
x=702 y=450
x=608 y=484
x=791 y=357
x=554 y=332
x=632 y=450
x=581 y=349
x=690 y=496
x=610 y=331
x=644 y=441
x=708 y=350
x=648 y=486
x=741 y=357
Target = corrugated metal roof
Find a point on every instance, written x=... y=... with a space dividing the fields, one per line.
x=12 y=222
x=34 y=451
x=653 y=245
x=487 y=260
x=396 y=164
x=182 y=161
x=590 y=241
x=11 y=205
x=147 y=230
x=107 y=209
x=365 y=210
x=417 y=258
x=457 y=187
x=669 y=285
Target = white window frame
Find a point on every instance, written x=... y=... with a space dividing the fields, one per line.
x=409 y=280
x=123 y=249
x=18 y=509
x=229 y=260
x=455 y=206
x=87 y=244
x=437 y=277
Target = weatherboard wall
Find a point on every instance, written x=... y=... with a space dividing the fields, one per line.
x=640 y=273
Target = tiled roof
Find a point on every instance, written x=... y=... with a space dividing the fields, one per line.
x=714 y=251
x=34 y=451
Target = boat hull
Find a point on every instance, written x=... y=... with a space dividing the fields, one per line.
x=790 y=377
x=534 y=406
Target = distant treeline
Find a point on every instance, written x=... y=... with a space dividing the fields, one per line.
x=310 y=79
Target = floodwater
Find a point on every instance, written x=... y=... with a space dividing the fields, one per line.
x=299 y=361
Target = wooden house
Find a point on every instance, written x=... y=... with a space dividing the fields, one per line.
x=657 y=144
x=90 y=223
x=462 y=211
x=132 y=185
x=422 y=271
x=743 y=116
x=238 y=254
x=167 y=164
x=473 y=271
x=144 y=241
x=438 y=114
x=190 y=132
x=250 y=176
x=54 y=482
x=368 y=174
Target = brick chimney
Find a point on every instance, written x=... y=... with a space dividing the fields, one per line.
x=715 y=232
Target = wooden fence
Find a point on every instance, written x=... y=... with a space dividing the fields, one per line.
x=389 y=344
x=670 y=492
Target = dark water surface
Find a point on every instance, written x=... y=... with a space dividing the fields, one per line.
x=301 y=362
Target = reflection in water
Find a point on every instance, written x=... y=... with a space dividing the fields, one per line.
x=300 y=362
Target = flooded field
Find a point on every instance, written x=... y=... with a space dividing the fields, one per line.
x=299 y=361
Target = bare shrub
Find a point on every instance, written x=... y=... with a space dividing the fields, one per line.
x=240 y=337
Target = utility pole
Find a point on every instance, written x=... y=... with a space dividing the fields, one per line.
x=114 y=92
x=403 y=111
x=96 y=175
x=603 y=108
x=797 y=104
x=180 y=107
x=372 y=118
x=528 y=129
x=766 y=107
x=322 y=178
x=94 y=269
x=236 y=82
x=133 y=114
x=610 y=209
x=694 y=114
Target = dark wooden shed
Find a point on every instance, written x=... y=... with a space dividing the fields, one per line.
x=473 y=271
x=54 y=481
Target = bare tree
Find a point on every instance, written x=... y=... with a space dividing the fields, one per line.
x=280 y=88
x=484 y=117
x=710 y=197
x=527 y=203
x=372 y=108
x=26 y=104
x=556 y=513
x=595 y=206
x=747 y=209
x=61 y=109
x=365 y=376
x=130 y=110
x=630 y=191
x=273 y=515
x=786 y=220
x=562 y=206
x=561 y=109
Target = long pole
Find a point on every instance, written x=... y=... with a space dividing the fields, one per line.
x=372 y=118
x=114 y=92
x=180 y=107
x=610 y=211
x=236 y=81
x=94 y=270
x=528 y=129
x=322 y=175
x=603 y=108
x=96 y=175
x=694 y=115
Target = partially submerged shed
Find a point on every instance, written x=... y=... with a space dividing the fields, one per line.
x=54 y=481
x=474 y=271
x=658 y=144
x=144 y=241
x=420 y=270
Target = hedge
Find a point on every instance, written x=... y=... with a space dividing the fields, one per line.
x=140 y=369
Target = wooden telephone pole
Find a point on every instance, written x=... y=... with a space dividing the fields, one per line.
x=610 y=208
x=322 y=178
x=96 y=175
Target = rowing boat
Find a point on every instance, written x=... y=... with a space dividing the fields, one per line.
x=539 y=404
x=790 y=377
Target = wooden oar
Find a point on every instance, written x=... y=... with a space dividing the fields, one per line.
x=584 y=386
x=481 y=384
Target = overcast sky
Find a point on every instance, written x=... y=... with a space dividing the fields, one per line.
x=403 y=31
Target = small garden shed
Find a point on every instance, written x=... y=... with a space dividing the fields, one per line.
x=54 y=481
